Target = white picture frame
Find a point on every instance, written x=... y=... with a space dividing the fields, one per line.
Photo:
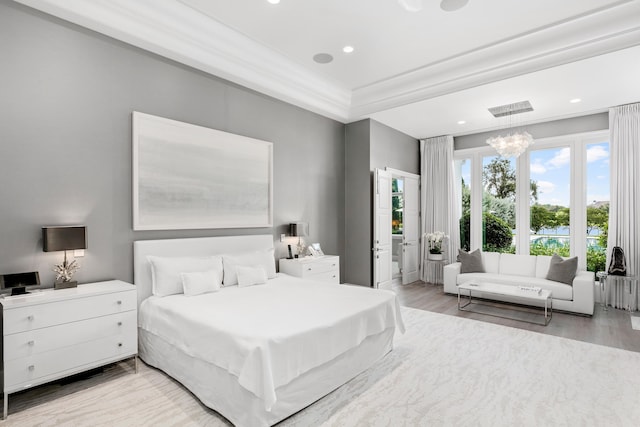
x=315 y=250
x=191 y=177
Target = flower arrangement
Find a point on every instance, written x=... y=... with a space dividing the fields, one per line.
x=435 y=240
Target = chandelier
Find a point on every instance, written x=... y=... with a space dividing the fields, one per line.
x=511 y=145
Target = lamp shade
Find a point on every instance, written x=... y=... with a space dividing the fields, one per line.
x=298 y=229
x=64 y=238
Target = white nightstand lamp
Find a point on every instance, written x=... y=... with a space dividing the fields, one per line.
x=299 y=230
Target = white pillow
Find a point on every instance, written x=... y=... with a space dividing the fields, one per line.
x=201 y=282
x=165 y=272
x=249 y=276
x=262 y=258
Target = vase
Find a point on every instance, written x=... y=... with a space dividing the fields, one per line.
x=436 y=257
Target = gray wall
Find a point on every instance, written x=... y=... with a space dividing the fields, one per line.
x=590 y=123
x=357 y=204
x=369 y=145
x=394 y=149
x=65 y=144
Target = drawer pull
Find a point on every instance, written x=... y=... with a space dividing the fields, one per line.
x=333 y=265
x=119 y=323
x=32 y=367
x=31 y=343
x=30 y=317
x=309 y=268
x=119 y=344
x=119 y=302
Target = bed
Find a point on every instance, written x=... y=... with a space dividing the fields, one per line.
x=258 y=354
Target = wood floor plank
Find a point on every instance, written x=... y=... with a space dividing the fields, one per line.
x=610 y=328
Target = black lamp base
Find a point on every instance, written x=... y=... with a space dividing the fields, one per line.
x=65 y=285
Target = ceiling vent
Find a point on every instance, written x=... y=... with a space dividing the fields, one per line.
x=511 y=109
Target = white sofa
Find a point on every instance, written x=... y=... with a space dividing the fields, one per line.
x=529 y=270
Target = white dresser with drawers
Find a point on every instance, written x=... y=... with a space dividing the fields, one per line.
x=325 y=268
x=51 y=334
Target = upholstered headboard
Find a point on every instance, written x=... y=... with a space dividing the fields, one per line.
x=201 y=246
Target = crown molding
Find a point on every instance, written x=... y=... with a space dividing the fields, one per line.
x=598 y=32
x=178 y=32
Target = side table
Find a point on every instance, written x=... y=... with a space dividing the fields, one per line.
x=611 y=283
x=434 y=270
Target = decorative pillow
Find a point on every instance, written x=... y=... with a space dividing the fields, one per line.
x=562 y=270
x=165 y=271
x=249 y=276
x=263 y=258
x=201 y=282
x=471 y=261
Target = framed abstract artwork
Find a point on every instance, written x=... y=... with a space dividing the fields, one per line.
x=191 y=177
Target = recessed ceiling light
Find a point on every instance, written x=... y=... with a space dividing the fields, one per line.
x=274 y=1
x=347 y=49
x=322 y=58
x=461 y=122
x=575 y=100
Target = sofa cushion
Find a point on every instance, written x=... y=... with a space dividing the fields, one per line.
x=562 y=270
x=518 y=265
x=471 y=262
x=542 y=266
x=558 y=290
x=491 y=261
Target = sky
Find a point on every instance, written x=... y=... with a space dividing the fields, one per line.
x=550 y=168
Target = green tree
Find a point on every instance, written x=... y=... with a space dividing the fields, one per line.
x=562 y=217
x=541 y=217
x=499 y=178
x=597 y=218
x=497 y=234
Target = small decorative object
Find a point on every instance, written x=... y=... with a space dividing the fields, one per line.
x=299 y=229
x=434 y=240
x=618 y=264
x=64 y=273
x=315 y=250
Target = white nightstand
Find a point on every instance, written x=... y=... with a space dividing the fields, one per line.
x=51 y=334
x=325 y=268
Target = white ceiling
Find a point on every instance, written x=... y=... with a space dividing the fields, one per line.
x=417 y=72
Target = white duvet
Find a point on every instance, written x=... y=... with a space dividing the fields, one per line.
x=267 y=335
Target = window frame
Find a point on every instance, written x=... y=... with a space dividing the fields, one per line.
x=577 y=144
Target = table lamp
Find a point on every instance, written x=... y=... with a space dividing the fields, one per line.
x=66 y=238
x=299 y=230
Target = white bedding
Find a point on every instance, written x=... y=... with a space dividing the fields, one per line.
x=268 y=335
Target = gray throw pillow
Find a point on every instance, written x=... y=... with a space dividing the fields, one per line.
x=471 y=261
x=562 y=270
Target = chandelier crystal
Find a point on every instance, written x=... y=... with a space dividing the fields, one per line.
x=511 y=145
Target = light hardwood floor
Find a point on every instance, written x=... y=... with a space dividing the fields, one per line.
x=113 y=397
x=611 y=328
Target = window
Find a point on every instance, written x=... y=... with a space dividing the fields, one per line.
x=597 y=205
x=397 y=189
x=552 y=199
x=550 y=212
x=498 y=204
x=463 y=178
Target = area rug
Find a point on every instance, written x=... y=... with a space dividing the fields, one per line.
x=444 y=370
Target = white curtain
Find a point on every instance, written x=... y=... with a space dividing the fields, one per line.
x=440 y=210
x=624 y=211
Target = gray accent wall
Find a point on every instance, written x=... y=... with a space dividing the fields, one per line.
x=66 y=98
x=589 y=123
x=370 y=145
